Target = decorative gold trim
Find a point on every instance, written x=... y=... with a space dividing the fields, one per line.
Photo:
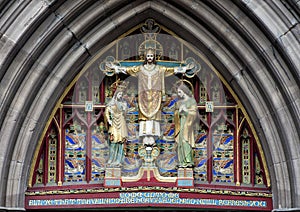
x=238 y=170
x=239 y=128
x=185 y=82
x=60 y=146
x=150 y=188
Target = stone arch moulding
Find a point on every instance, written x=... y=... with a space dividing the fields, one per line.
x=71 y=133
x=29 y=117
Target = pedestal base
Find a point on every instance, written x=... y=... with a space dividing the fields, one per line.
x=185 y=178
x=147 y=175
x=112 y=177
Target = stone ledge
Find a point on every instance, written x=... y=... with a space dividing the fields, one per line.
x=286 y=209
x=11 y=209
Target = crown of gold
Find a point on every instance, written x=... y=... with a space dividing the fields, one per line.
x=150 y=51
x=120 y=85
x=123 y=85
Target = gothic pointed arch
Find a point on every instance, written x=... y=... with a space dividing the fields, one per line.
x=75 y=150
